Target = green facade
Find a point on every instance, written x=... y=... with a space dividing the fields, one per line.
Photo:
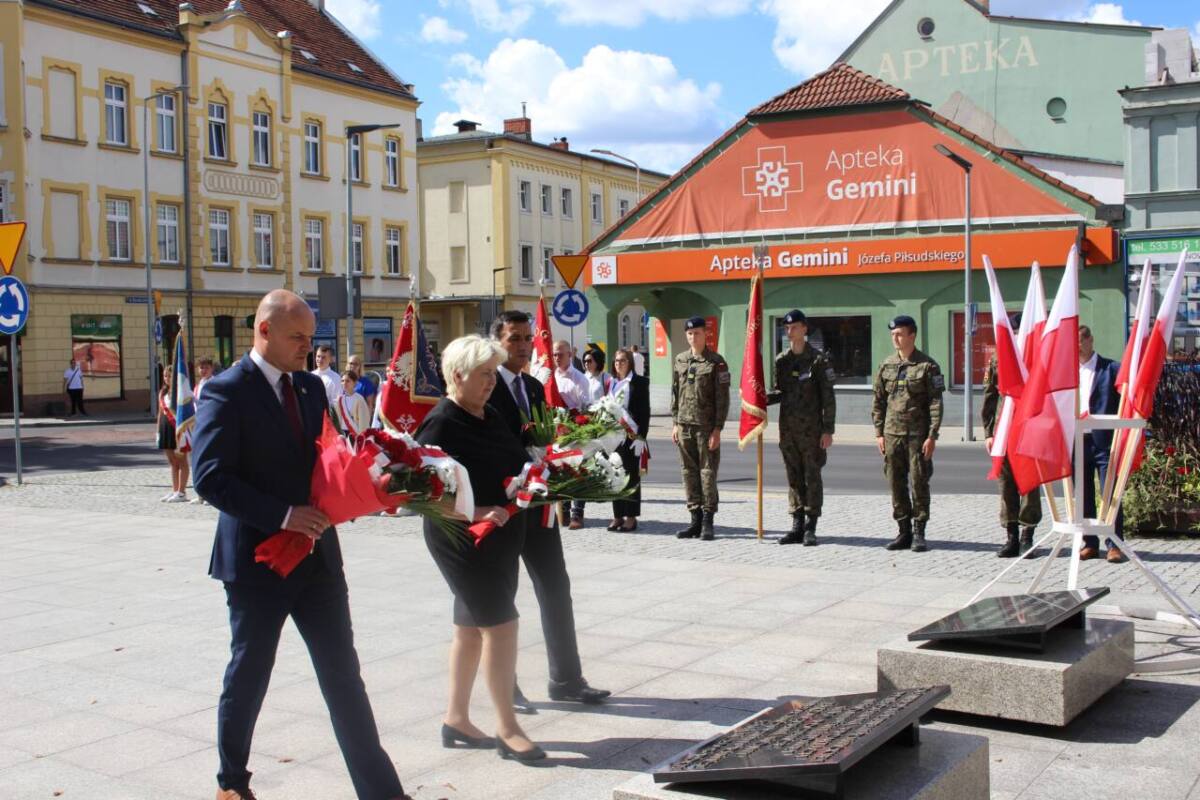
x=1043 y=86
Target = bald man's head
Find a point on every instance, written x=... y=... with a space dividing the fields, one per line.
x=562 y=354
x=283 y=330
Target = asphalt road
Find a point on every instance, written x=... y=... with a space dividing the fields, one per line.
x=852 y=468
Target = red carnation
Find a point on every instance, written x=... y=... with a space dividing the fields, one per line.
x=582 y=420
x=436 y=487
x=1184 y=470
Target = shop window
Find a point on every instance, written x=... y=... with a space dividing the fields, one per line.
x=846 y=340
x=96 y=348
x=223 y=333
x=983 y=346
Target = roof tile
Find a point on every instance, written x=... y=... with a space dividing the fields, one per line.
x=840 y=85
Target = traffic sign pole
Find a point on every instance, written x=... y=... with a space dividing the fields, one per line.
x=15 y=362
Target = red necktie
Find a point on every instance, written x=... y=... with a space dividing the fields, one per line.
x=291 y=406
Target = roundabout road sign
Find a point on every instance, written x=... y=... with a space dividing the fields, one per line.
x=14 y=305
x=570 y=307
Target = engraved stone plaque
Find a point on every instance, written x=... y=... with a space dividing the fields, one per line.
x=806 y=744
x=1019 y=620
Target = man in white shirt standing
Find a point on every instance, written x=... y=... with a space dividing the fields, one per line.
x=1097 y=395
x=73 y=386
x=328 y=376
x=572 y=384
x=639 y=361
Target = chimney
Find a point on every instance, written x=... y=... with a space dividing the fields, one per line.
x=466 y=125
x=420 y=130
x=520 y=126
x=319 y=5
x=560 y=144
x=985 y=4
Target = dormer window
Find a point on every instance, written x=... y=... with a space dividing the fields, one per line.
x=307 y=55
x=147 y=10
x=354 y=67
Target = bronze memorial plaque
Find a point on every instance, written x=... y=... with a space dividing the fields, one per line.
x=1018 y=620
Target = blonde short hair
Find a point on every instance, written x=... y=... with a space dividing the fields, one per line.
x=465 y=354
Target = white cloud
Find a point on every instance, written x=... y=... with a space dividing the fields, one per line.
x=361 y=17
x=617 y=99
x=1106 y=14
x=439 y=31
x=810 y=34
x=504 y=16
x=631 y=13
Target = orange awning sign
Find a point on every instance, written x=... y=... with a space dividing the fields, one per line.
x=11 y=234
x=570 y=267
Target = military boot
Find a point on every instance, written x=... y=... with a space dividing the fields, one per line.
x=810 y=531
x=918 y=540
x=796 y=534
x=1011 y=547
x=1027 y=542
x=904 y=537
x=706 y=527
x=693 y=530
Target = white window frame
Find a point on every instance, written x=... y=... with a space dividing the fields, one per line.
x=116 y=113
x=547 y=264
x=625 y=329
x=260 y=137
x=525 y=196
x=622 y=208
x=567 y=202
x=264 y=239
x=356 y=157
x=394 y=256
x=357 y=233
x=312 y=148
x=526 y=264
x=391 y=161
x=218 y=123
x=164 y=123
x=547 y=200
x=167 y=233
x=314 y=244
x=597 y=208
x=118 y=221
x=219 y=221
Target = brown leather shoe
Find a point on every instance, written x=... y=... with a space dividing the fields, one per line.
x=1088 y=553
x=235 y=794
x=1115 y=556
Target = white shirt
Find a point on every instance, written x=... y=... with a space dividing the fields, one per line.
x=73 y=377
x=353 y=413
x=639 y=363
x=573 y=386
x=597 y=385
x=1087 y=374
x=333 y=384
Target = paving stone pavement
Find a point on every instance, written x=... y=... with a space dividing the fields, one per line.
x=113 y=641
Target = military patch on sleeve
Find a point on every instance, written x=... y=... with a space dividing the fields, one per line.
x=939 y=383
x=830 y=375
x=724 y=377
x=722 y=366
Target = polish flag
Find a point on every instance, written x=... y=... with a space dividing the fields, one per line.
x=1043 y=424
x=1131 y=361
x=543 y=358
x=1158 y=344
x=1024 y=344
x=753 y=384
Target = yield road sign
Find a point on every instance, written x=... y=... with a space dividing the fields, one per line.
x=570 y=267
x=11 y=234
x=14 y=305
x=570 y=307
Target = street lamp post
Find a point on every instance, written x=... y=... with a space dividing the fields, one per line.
x=968 y=330
x=351 y=132
x=637 y=170
x=147 y=142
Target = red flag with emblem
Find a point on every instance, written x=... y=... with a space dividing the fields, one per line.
x=753 y=387
x=542 y=367
x=412 y=387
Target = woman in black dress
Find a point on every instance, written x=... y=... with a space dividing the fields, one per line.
x=165 y=441
x=483 y=579
x=634 y=390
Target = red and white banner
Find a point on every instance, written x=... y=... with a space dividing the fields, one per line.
x=542 y=366
x=1158 y=344
x=753 y=419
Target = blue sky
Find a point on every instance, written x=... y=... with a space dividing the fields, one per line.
x=656 y=80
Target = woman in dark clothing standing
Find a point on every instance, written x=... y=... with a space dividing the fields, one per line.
x=483 y=579
x=634 y=390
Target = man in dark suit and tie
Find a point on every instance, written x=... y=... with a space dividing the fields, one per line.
x=517 y=393
x=1097 y=395
x=254 y=451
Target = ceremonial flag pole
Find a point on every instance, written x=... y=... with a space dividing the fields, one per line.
x=753 y=390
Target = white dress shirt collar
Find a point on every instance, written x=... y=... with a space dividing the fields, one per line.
x=270 y=372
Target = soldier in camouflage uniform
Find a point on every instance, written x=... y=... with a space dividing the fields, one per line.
x=907 y=413
x=1015 y=511
x=699 y=405
x=804 y=390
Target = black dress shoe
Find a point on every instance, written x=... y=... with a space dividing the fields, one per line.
x=577 y=692
x=521 y=703
x=453 y=736
x=534 y=753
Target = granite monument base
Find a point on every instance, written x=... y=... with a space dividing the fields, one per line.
x=1077 y=666
x=944 y=766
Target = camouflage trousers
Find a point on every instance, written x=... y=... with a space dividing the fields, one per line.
x=902 y=464
x=699 y=466
x=1014 y=508
x=803 y=458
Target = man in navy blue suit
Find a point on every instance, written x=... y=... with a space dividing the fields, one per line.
x=254 y=451
x=1097 y=395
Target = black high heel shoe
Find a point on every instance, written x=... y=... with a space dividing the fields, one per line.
x=534 y=753
x=451 y=737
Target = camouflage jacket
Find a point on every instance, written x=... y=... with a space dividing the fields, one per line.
x=991 y=399
x=804 y=389
x=908 y=396
x=700 y=389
